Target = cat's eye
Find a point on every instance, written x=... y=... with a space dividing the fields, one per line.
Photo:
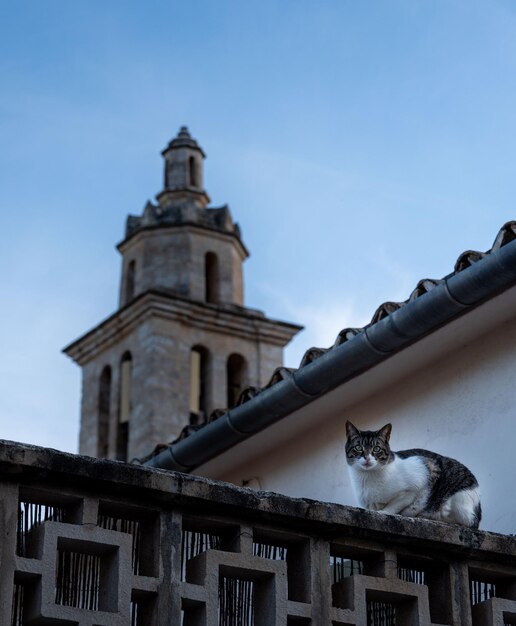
x=359 y=448
x=376 y=449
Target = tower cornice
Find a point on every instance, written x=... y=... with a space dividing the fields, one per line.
x=194 y=227
x=228 y=319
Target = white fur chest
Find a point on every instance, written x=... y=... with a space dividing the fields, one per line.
x=376 y=487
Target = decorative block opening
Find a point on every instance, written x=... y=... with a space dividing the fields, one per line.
x=270 y=551
x=247 y=597
x=198 y=537
x=509 y=619
x=481 y=590
x=412 y=573
x=17 y=618
x=142 y=526
x=86 y=575
x=25 y=593
x=381 y=614
x=142 y=611
x=484 y=585
x=236 y=602
x=193 y=614
x=343 y=567
x=434 y=575
x=391 y=609
x=193 y=544
x=35 y=508
x=78 y=580
x=346 y=561
x=293 y=550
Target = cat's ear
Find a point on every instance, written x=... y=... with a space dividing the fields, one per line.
x=386 y=432
x=351 y=431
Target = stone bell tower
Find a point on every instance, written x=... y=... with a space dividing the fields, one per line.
x=182 y=343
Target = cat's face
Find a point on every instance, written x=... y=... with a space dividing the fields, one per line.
x=368 y=449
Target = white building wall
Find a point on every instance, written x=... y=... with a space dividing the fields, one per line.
x=462 y=404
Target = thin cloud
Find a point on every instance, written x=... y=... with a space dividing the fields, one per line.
x=323 y=319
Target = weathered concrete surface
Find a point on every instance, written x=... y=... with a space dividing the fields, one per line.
x=43 y=464
x=160 y=575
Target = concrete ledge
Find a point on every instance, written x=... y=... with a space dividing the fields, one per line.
x=26 y=463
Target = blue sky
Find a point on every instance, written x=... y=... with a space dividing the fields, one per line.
x=361 y=146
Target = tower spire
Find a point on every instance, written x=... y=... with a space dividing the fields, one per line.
x=182 y=342
x=183 y=172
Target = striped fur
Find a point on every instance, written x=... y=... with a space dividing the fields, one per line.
x=415 y=483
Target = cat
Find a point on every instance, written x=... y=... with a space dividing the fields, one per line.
x=415 y=483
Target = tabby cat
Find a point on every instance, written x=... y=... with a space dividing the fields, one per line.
x=416 y=483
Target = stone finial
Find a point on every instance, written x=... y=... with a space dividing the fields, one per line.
x=183 y=139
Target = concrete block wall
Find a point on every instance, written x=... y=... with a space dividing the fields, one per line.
x=89 y=542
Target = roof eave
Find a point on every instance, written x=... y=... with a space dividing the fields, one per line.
x=452 y=297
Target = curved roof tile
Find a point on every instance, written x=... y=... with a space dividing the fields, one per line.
x=468 y=258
